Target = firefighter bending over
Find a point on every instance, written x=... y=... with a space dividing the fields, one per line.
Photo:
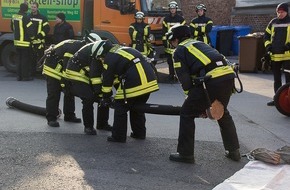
x=84 y=73
x=55 y=63
x=193 y=59
x=137 y=81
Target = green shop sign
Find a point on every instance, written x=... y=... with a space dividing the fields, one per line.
x=49 y=8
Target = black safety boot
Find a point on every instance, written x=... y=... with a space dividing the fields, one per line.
x=73 y=119
x=53 y=123
x=133 y=135
x=233 y=155
x=181 y=158
x=27 y=79
x=172 y=78
x=113 y=139
x=105 y=127
x=90 y=131
x=271 y=103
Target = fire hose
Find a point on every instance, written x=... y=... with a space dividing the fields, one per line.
x=214 y=111
x=14 y=103
x=146 y=108
x=157 y=109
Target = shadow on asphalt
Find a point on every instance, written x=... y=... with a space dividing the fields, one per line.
x=46 y=160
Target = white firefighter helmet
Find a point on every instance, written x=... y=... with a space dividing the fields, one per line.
x=92 y=37
x=173 y=5
x=200 y=7
x=100 y=48
x=139 y=14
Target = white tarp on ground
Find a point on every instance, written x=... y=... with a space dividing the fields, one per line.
x=257 y=175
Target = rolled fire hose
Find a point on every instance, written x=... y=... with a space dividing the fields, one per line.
x=14 y=103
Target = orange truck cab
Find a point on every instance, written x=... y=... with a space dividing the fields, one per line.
x=110 y=19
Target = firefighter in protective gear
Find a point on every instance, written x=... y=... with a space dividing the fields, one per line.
x=23 y=33
x=55 y=63
x=40 y=30
x=277 y=43
x=201 y=25
x=137 y=81
x=172 y=19
x=84 y=73
x=139 y=33
x=193 y=59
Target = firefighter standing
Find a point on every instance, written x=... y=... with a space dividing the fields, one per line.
x=137 y=80
x=84 y=72
x=193 y=59
x=201 y=25
x=172 y=19
x=57 y=57
x=277 y=43
x=139 y=32
x=23 y=33
x=40 y=28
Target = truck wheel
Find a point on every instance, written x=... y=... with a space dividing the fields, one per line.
x=282 y=99
x=9 y=57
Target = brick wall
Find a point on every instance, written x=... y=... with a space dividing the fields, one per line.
x=220 y=11
x=257 y=22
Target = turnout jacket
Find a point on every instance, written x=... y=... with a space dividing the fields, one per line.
x=200 y=28
x=40 y=28
x=82 y=67
x=277 y=39
x=139 y=34
x=56 y=60
x=167 y=23
x=22 y=28
x=194 y=58
x=135 y=74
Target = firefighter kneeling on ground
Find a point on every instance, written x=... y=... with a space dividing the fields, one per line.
x=137 y=82
x=84 y=72
x=193 y=59
x=56 y=58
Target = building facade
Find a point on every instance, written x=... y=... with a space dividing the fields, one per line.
x=254 y=13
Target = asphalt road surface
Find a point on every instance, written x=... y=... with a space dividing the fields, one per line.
x=35 y=156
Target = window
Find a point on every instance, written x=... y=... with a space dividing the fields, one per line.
x=113 y=4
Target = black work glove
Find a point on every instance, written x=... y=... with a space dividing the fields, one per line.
x=97 y=97
x=165 y=43
x=287 y=47
x=269 y=48
x=105 y=102
x=267 y=56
